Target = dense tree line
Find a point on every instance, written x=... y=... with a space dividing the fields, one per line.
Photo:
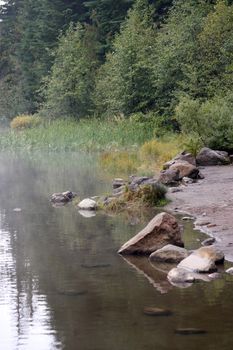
x=170 y=59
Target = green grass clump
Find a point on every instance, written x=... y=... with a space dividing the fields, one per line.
x=86 y=134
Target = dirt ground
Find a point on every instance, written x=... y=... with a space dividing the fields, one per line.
x=210 y=201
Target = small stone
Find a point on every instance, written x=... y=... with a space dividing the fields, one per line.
x=215 y=275
x=175 y=189
x=153 y=311
x=189 y=331
x=201 y=222
x=17 y=210
x=230 y=271
x=87 y=204
x=208 y=241
x=188 y=218
x=187 y=180
x=211 y=225
x=117 y=183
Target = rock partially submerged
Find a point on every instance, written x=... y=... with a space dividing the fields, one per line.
x=208 y=156
x=208 y=241
x=154 y=311
x=160 y=231
x=169 y=254
x=179 y=275
x=202 y=260
x=87 y=204
x=63 y=197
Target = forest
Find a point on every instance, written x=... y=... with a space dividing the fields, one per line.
x=160 y=62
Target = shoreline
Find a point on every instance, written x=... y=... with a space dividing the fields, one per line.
x=210 y=202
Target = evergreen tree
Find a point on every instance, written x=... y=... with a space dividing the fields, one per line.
x=70 y=85
x=124 y=83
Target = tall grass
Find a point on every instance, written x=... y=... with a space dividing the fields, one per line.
x=88 y=135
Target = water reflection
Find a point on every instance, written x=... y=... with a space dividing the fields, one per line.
x=62 y=284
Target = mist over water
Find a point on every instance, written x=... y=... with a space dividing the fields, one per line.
x=62 y=284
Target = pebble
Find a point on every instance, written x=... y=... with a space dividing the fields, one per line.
x=188 y=218
x=72 y=293
x=230 y=271
x=189 y=331
x=208 y=241
x=17 y=210
x=154 y=311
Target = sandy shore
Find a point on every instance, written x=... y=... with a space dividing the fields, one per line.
x=210 y=201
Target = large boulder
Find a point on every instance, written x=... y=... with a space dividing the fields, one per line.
x=202 y=260
x=208 y=156
x=169 y=254
x=161 y=230
x=185 y=169
x=183 y=156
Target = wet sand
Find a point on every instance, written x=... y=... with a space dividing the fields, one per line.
x=210 y=201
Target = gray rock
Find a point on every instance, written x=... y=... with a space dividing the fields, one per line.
x=162 y=230
x=183 y=156
x=179 y=275
x=196 y=263
x=63 y=197
x=169 y=254
x=169 y=177
x=202 y=260
x=87 y=204
x=208 y=156
x=187 y=180
x=118 y=183
x=185 y=169
x=188 y=218
x=208 y=241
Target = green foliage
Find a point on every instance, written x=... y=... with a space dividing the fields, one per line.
x=70 y=85
x=175 y=48
x=211 y=120
x=124 y=83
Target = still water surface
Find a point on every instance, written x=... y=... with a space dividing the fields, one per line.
x=62 y=285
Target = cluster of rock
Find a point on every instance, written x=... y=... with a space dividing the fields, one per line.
x=185 y=166
x=161 y=239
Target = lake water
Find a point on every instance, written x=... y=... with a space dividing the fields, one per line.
x=62 y=284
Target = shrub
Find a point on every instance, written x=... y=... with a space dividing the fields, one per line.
x=25 y=122
x=211 y=120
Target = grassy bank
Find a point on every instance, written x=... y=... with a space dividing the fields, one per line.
x=124 y=146
x=88 y=135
